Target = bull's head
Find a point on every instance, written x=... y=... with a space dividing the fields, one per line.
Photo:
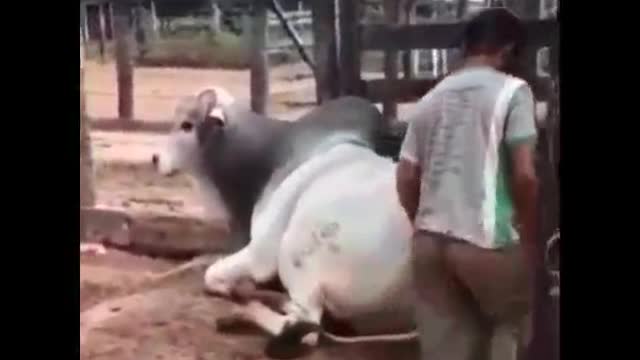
x=193 y=116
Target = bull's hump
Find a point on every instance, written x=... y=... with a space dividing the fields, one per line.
x=241 y=162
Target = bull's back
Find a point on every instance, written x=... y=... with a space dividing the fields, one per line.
x=346 y=114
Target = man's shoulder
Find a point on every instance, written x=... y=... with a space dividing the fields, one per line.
x=469 y=77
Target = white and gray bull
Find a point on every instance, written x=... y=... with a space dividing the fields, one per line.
x=327 y=221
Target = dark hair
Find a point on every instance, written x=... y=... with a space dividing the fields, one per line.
x=492 y=29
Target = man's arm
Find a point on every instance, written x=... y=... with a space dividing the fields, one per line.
x=525 y=193
x=408 y=171
x=408 y=186
x=520 y=136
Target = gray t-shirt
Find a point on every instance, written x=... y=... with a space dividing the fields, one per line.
x=458 y=134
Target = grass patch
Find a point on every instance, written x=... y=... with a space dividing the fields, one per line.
x=203 y=50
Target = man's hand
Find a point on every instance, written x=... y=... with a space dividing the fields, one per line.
x=408 y=186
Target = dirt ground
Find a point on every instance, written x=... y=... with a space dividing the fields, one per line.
x=123 y=313
x=123 y=317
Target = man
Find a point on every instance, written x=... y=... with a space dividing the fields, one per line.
x=466 y=177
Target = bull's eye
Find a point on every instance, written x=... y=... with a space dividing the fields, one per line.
x=186 y=126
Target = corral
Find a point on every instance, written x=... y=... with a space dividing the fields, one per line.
x=127 y=310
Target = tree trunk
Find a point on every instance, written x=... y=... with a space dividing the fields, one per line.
x=124 y=60
x=87 y=191
x=259 y=61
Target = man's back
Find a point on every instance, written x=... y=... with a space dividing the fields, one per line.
x=457 y=137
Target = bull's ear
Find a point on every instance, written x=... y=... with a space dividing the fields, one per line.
x=210 y=126
x=207 y=100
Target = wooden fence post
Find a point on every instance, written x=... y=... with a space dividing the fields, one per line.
x=84 y=24
x=349 y=47
x=140 y=20
x=410 y=59
x=461 y=8
x=87 y=191
x=259 y=61
x=124 y=60
x=155 y=25
x=544 y=339
x=391 y=17
x=215 y=16
x=325 y=50
x=103 y=33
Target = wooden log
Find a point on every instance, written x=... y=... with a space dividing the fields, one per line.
x=325 y=51
x=349 y=47
x=390 y=66
x=259 y=61
x=442 y=35
x=124 y=60
x=155 y=235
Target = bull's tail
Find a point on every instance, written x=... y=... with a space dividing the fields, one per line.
x=280 y=347
x=371 y=338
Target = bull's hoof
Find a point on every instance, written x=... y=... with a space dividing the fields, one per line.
x=288 y=345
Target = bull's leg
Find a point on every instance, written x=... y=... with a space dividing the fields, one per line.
x=288 y=330
x=306 y=311
x=265 y=318
x=307 y=317
x=244 y=293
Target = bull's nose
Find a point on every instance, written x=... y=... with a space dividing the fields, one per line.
x=154 y=160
